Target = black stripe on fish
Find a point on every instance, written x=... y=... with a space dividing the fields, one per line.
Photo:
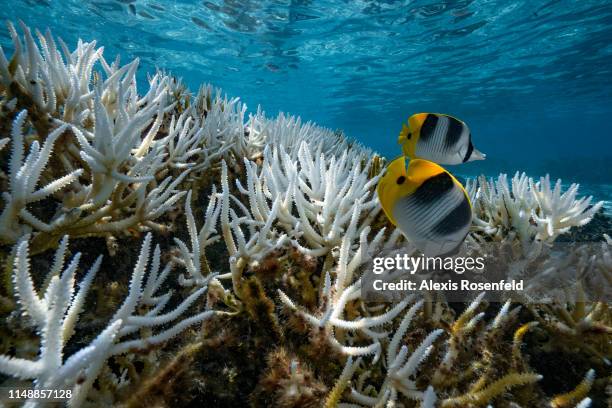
x=455 y=220
x=432 y=189
x=469 y=150
x=428 y=127
x=453 y=134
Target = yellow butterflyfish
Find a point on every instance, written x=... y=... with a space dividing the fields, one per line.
x=428 y=204
x=439 y=138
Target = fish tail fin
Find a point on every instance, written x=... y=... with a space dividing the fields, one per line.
x=477 y=155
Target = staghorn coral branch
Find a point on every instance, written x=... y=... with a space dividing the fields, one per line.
x=56 y=313
x=333 y=398
x=585 y=403
x=195 y=261
x=324 y=191
x=429 y=399
x=577 y=394
x=531 y=211
x=559 y=212
x=23 y=180
x=57 y=84
x=400 y=367
x=334 y=298
x=494 y=389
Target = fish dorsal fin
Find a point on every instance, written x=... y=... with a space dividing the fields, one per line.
x=416 y=121
x=449 y=116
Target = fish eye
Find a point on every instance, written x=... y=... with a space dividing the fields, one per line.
x=400 y=180
x=409 y=135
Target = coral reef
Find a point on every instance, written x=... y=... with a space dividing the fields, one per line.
x=56 y=313
x=527 y=210
x=264 y=230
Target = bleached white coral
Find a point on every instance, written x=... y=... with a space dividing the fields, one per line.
x=400 y=367
x=55 y=315
x=262 y=239
x=3 y=142
x=57 y=83
x=404 y=380
x=223 y=121
x=190 y=145
x=528 y=210
x=108 y=150
x=114 y=139
x=321 y=205
x=429 y=398
x=24 y=178
x=316 y=195
x=194 y=260
x=290 y=132
x=557 y=212
x=346 y=288
x=127 y=173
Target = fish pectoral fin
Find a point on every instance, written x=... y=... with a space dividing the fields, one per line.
x=478 y=155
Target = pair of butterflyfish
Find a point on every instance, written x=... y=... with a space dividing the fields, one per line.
x=428 y=204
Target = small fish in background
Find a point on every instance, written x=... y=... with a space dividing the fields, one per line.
x=428 y=204
x=156 y=7
x=272 y=67
x=200 y=23
x=461 y=12
x=45 y=3
x=145 y=14
x=439 y=138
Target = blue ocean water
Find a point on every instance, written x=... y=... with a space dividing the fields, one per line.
x=532 y=78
